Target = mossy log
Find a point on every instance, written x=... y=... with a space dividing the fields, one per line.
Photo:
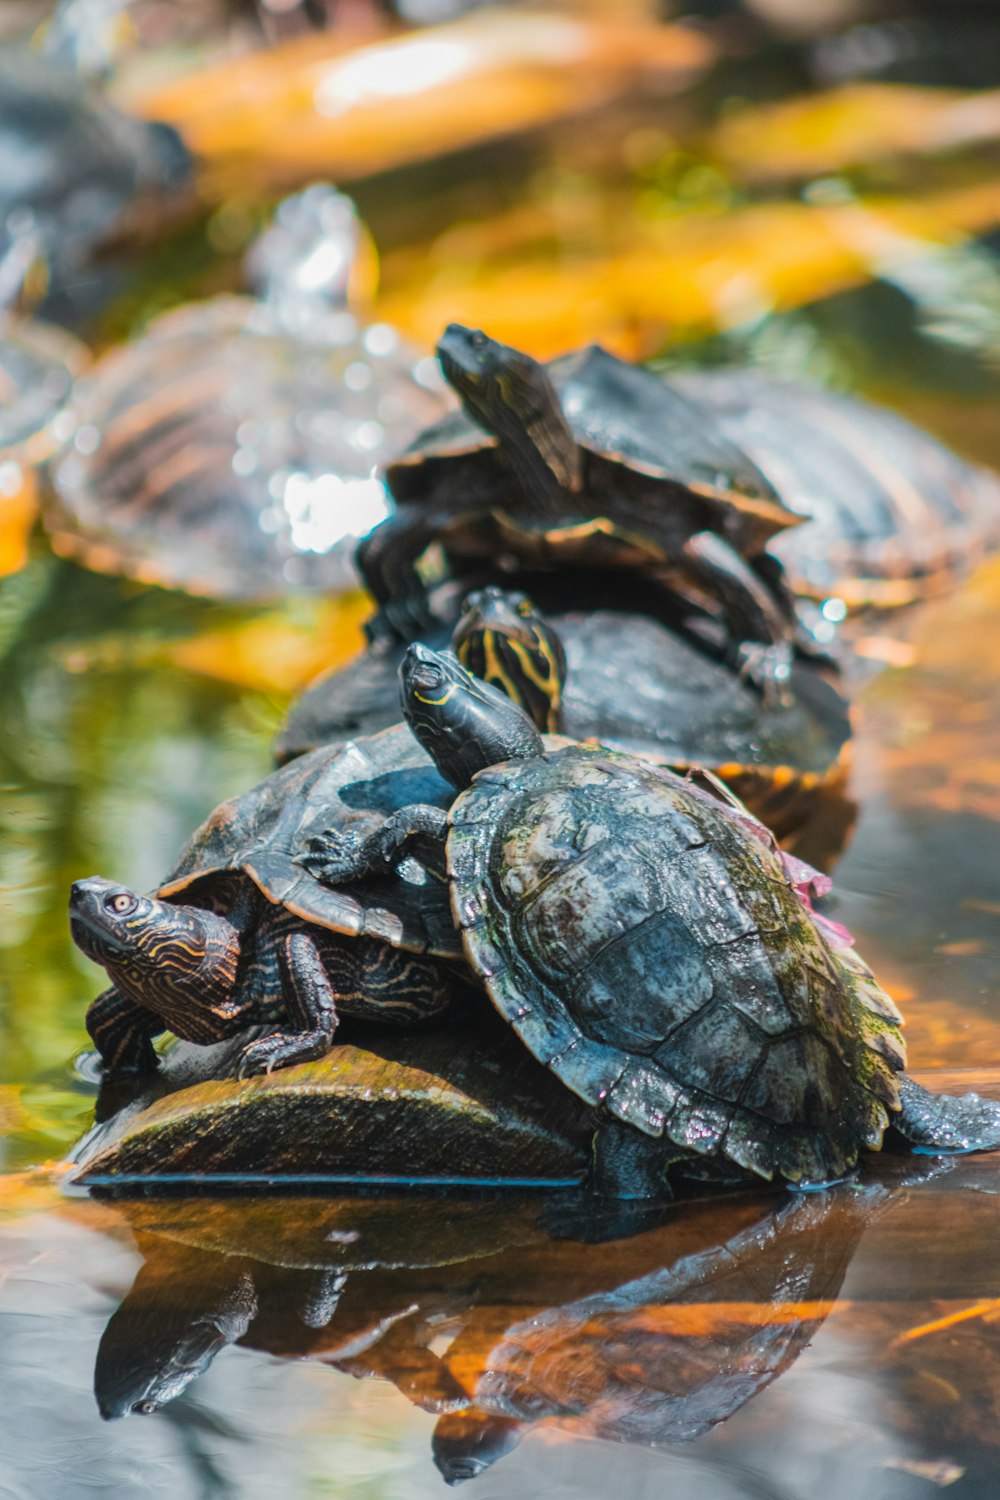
x=453 y=1106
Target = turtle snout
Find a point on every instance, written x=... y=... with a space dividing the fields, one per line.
x=88 y=895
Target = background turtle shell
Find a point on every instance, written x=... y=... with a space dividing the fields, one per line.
x=223 y=455
x=72 y=161
x=893 y=514
x=652 y=953
x=628 y=421
x=353 y=787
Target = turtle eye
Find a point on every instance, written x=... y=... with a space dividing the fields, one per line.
x=121 y=904
x=524 y=607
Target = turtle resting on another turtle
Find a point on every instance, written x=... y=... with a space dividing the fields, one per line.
x=622 y=676
x=259 y=940
x=650 y=946
x=586 y=460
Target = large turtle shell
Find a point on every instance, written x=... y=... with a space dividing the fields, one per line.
x=631 y=426
x=893 y=515
x=352 y=787
x=224 y=455
x=652 y=952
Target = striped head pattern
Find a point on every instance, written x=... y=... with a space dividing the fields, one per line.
x=503 y=639
x=164 y=957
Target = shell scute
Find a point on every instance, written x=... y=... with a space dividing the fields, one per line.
x=572 y=918
x=353 y=787
x=744 y=970
x=716 y=1050
x=644 y=985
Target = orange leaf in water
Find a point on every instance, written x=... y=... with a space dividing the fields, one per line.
x=17 y=516
x=314 y=106
x=855 y=124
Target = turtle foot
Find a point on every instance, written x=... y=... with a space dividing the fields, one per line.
x=281 y=1049
x=945 y=1123
x=332 y=857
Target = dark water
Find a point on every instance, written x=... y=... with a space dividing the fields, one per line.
x=747 y=1346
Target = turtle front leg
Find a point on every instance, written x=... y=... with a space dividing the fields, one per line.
x=418 y=832
x=311 y=1007
x=387 y=561
x=121 y=1032
x=751 y=612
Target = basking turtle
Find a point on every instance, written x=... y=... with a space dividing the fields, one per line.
x=651 y=947
x=893 y=515
x=585 y=460
x=625 y=678
x=230 y=451
x=72 y=166
x=239 y=934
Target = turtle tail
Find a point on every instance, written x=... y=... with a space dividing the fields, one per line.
x=939 y=1123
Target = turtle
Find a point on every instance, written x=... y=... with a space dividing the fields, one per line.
x=652 y=948
x=589 y=460
x=628 y=679
x=239 y=934
x=230 y=451
x=72 y=166
x=893 y=515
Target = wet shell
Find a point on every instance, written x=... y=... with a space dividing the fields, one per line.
x=655 y=957
x=637 y=434
x=353 y=787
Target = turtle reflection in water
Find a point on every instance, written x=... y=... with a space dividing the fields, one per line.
x=649 y=945
x=649 y=1338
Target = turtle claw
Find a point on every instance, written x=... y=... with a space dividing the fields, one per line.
x=332 y=857
x=280 y=1050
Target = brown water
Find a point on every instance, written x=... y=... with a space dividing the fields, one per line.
x=745 y=1345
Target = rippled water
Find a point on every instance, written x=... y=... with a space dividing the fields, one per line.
x=851 y=1339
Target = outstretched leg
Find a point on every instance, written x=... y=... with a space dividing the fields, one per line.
x=418 y=832
x=121 y=1032
x=387 y=561
x=311 y=1009
x=946 y=1122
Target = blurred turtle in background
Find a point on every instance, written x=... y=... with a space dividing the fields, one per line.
x=892 y=515
x=73 y=168
x=232 y=449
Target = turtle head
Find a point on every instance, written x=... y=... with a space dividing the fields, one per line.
x=510 y=395
x=463 y=723
x=503 y=639
x=154 y=951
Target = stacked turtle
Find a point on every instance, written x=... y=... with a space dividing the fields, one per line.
x=647 y=939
